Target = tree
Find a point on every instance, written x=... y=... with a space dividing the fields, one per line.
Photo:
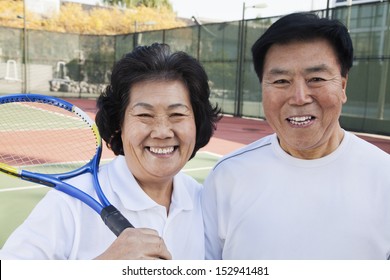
x=72 y=18
x=134 y=3
x=156 y=3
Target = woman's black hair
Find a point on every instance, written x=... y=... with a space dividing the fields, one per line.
x=153 y=63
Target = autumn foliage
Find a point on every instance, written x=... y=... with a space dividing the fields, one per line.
x=72 y=18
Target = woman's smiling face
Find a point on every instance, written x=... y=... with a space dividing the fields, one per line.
x=158 y=131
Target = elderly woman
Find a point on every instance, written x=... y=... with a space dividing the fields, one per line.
x=155 y=115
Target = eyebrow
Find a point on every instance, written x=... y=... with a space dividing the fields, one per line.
x=150 y=107
x=278 y=71
x=311 y=69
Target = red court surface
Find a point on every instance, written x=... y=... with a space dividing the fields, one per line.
x=233 y=133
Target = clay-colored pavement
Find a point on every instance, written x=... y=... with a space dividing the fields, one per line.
x=233 y=133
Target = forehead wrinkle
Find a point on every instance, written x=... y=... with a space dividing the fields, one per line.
x=317 y=68
x=279 y=71
x=143 y=105
x=178 y=105
x=308 y=70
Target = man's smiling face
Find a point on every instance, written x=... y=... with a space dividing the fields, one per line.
x=303 y=93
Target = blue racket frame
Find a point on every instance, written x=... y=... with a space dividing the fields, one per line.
x=110 y=215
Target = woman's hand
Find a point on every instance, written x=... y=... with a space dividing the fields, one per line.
x=137 y=244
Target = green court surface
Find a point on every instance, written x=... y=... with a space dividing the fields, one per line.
x=17 y=197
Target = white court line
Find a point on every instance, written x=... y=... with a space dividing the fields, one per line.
x=22 y=188
x=203 y=168
x=197 y=169
x=70 y=114
x=210 y=153
x=372 y=135
x=39 y=187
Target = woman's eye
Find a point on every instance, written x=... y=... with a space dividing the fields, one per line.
x=144 y=115
x=177 y=115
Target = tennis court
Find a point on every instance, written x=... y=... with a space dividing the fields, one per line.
x=17 y=198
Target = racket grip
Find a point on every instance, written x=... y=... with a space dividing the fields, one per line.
x=114 y=219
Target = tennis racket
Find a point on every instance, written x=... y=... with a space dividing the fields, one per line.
x=47 y=140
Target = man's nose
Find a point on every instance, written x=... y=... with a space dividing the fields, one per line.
x=300 y=93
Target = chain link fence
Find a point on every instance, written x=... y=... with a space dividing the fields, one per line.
x=78 y=66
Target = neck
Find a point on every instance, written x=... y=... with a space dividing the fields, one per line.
x=160 y=192
x=318 y=152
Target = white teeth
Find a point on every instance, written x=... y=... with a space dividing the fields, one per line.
x=300 y=120
x=162 y=151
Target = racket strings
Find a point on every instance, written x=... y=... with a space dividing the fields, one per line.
x=44 y=138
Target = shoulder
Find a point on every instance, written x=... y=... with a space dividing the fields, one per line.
x=366 y=149
x=259 y=146
x=365 y=156
x=186 y=192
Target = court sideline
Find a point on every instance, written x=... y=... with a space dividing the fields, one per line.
x=233 y=132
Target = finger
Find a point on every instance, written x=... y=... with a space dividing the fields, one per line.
x=144 y=242
x=142 y=230
x=162 y=250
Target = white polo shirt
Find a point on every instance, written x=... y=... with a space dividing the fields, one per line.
x=62 y=227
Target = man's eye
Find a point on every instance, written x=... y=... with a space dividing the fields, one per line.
x=280 y=81
x=316 y=79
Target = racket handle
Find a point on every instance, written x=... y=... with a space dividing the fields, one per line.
x=114 y=219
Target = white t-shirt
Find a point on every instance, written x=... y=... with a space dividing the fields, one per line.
x=261 y=203
x=62 y=227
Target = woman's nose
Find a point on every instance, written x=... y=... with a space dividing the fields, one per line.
x=162 y=128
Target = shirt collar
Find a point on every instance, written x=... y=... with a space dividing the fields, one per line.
x=134 y=198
